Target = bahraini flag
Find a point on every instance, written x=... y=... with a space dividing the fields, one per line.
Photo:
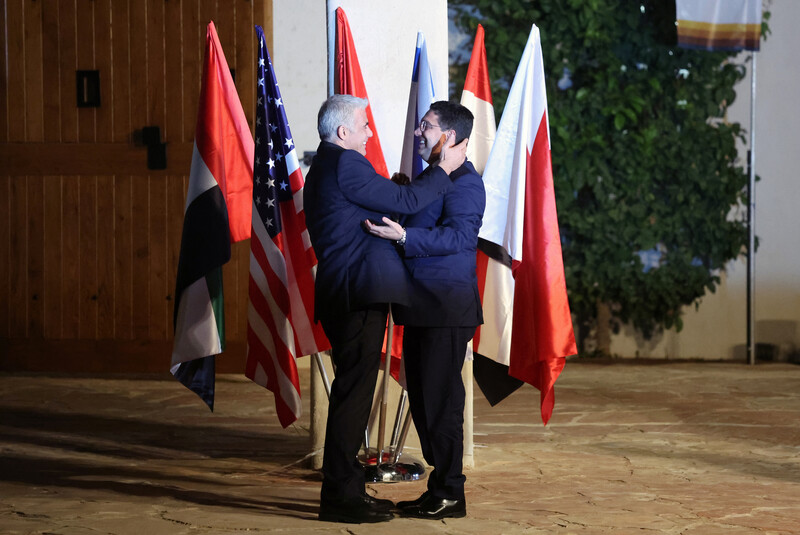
x=521 y=218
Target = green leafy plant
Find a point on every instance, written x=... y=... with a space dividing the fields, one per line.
x=650 y=191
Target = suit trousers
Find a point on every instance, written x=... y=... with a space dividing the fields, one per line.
x=357 y=340
x=433 y=358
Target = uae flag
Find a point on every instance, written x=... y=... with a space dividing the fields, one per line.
x=280 y=326
x=217 y=214
x=349 y=81
x=520 y=221
x=719 y=24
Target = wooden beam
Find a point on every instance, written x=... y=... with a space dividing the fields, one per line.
x=103 y=356
x=49 y=159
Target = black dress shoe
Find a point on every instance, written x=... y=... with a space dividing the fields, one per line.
x=377 y=503
x=435 y=508
x=357 y=510
x=409 y=503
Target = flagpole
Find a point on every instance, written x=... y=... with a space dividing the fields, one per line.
x=387 y=369
x=751 y=222
x=331 y=25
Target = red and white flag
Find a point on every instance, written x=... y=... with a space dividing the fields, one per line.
x=477 y=98
x=280 y=325
x=495 y=282
x=521 y=218
x=217 y=213
x=349 y=81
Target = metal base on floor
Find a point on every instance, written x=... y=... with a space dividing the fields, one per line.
x=409 y=469
x=405 y=468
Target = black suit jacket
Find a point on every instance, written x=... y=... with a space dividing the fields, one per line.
x=355 y=268
x=440 y=254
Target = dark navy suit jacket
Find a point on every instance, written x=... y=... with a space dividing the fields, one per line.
x=355 y=268
x=440 y=254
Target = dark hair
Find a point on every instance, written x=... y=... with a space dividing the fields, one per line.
x=453 y=116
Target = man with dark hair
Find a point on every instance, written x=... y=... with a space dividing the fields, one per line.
x=439 y=246
x=358 y=275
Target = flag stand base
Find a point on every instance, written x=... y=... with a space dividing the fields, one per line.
x=407 y=469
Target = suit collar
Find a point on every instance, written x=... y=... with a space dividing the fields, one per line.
x=465 y=168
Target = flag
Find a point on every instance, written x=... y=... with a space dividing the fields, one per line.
x=348 y=81
x=492 y=340
x=420 y=97
x=521 y=218
x=215 y=216
x=719 y=24
x=280 y=326
x=477 y=98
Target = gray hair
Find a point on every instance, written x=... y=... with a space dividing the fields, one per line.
x=338 y=110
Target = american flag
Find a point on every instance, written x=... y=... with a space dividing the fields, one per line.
x=280 y=326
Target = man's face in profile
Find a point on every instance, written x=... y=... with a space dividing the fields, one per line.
x=431 y=137
x=357 y=138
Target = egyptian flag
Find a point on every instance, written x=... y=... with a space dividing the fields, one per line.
x=218 y=208
x=719 y=24
x=521 y=221
x=492 y=342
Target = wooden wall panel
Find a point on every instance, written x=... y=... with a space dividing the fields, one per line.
x=89 y=237
x=51 y=67
x=173 y=75
x=156 y=105
x=159 y=285
x=120 y=74
x=106 y=245
x=85 y=40
x=193 y=49
x=16 y=64
x=3 y=102
x=72 y=259
x=53 y=257
x=35 y=273
x=104 y=115
x=34 y=119
x=87 y=242
x=68 y=63
x=137 y=66
x=18 y=250
x=140 y=242
x=5 y=252
x=123 y=258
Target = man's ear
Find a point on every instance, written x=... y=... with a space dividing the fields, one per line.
x=341 y=132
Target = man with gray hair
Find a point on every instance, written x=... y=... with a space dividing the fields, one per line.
x=358 y=276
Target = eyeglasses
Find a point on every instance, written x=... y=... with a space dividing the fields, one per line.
x=424 y=125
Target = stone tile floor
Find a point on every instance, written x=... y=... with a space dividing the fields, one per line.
x=632 y=448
